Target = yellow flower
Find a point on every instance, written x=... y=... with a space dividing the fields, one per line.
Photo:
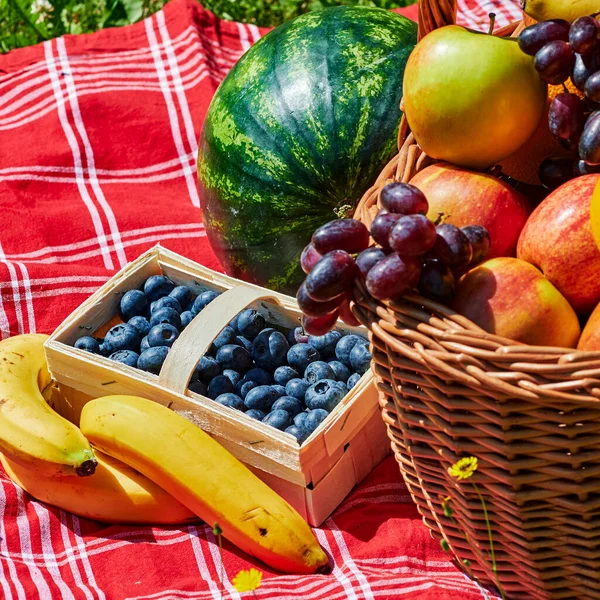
x=464 y=468
x=247 y=581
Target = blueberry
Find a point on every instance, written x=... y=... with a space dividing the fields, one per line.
x=344 y=347
x=227 y=336
x=325 y=344
x=300 y=420
x=234 y=323
x=141 y=324
x=259 y=415
x=284 y=374
x=297 y=336
x=317 y=371
x=133 y=304
x=299 y=433
x=261 y=397
x=88 y=343
x=203 y=299
x=280 y=419
x=151 y=360
x=231 y=400
x=158 y=286
x=250 y=323
x=353 y=380
x=296 y=388
x=144 y=345
x=260 y=376
x=360 y=358
x=121 y=337
x=233 y=376
x=314 y=418
x=301 y=355
x=207 y=368
x=341 y=371
x=278 y=390
x=292 y=405
x=243 y=387
x=183 y=294
x=162 y=335
x=166 y=302
x=126 y=357
x=234 y=357
x=269 y=349
x=219 y=385
x=326 y=394
x=240 y=340
x=198 y=387
x=186 y=318
x=166 y=315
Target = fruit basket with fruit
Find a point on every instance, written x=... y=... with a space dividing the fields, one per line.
x=489 y=389
x=300 y=411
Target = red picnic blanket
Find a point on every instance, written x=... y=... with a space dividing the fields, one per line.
x=98 y=142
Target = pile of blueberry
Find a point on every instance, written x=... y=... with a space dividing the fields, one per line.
x=285 y=378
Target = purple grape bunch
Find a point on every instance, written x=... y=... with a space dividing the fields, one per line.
x=409 y=252
x=564 y=51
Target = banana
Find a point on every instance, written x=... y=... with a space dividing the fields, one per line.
x=542 y=10
x=203 y=476
x=115 y=494
x=31 y=433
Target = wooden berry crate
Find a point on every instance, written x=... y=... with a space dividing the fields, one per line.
x=314 y=478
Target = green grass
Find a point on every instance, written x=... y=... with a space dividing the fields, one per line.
x=26 y=22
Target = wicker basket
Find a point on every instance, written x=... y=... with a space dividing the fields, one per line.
x=531 y=415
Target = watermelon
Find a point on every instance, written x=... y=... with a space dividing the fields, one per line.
x=296 y=133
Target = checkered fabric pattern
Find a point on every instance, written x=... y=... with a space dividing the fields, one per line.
x=98 y=143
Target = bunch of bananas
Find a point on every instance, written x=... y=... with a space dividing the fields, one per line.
x=148 y=465
x=543 y=10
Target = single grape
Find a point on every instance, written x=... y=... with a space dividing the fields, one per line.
x=583 y=68
x=592 y=87
x=480 y=241
x=535 y=37
x=580 y=167
x=309 y=258
x=413 y=235
x=437 y=282
x=368 y=258
x=554 y=61
x=583 y=35
x=319 y=325
x=553 y=172
x=331 y=276
x=393 y=276
x=452 y=246
x=313 y=308
x=349 y=235
x=589 y=144
x=382 y=226
x=566 y=115
x=346 y=314
x=404 y=199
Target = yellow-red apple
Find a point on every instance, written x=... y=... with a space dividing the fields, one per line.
x=590 y=336
x=471 y=198
x=557 y=239
x=511 y=298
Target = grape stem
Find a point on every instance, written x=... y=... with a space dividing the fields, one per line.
x=492 y=21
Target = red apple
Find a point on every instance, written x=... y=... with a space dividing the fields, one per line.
x=471 y=198
x=511 y=298
x=558 y=239
x=590 y=336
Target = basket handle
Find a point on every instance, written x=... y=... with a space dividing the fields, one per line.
x=198 y=336
x=434 y=14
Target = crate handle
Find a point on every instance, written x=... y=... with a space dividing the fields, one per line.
x=198 y=336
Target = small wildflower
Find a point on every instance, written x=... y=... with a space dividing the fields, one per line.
x=217 y=530
x=247 y=581
x=464 y=468
x=466 y=562
x=445 y=546
x=448 y=512
x=42 y=8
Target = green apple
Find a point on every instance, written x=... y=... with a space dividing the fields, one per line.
x=470 y=98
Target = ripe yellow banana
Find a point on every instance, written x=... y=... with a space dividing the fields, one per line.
x=115 y=494
x=203 y=476
x=31 y=433
x=542 y=10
